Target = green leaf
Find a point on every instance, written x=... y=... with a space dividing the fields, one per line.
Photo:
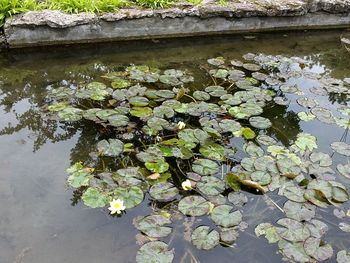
x=343 y=256
x=222 y=216
x=163 y=192
x=213 y=151
x=299 y=211
x=155 y=252
x=141 y=112
x=193 y=206
x=132 y=196
x=210 y=185
x=204 y=239
x=157 y=167
x=153 y=226
x=314 y=248
x=112 y=147
x=292 y=230
x=205 y=167
x=93 y=198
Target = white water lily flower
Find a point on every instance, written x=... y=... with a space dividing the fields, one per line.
x=116 y=206
x=186 y=185
x=181 y=125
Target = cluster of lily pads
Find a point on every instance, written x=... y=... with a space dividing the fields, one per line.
x=160 y=130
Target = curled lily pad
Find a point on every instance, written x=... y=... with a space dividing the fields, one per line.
x=164 y=192
x=260 y=122
x=155 y=252
x=132 y=196
x=341 y=148
x=93 y=198
x=154 y=225
x=112 y=147
x=193 y=206
x=205 y=239
x=205 y=167
x=222 y=216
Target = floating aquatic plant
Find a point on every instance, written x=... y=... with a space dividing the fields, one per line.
x=183 y=147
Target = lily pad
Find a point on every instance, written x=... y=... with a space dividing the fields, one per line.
x=343 y=256
x=154 y=225
x=112 y=147
x=205 y=167
x=193 y=206
x=314 y=248
x=260 y=122
x=341 y=148
x=205 y=239
x=299 y=211
x=292 y=230
x=155 y=252
x=93 y=198
x=164 y=192
x=132 y=196
x=210 y=185
x=222 y=216
x=213 y=151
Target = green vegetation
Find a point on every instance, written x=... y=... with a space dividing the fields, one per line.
x=12 y=7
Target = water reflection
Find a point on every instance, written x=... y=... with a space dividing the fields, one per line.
x=26 y=77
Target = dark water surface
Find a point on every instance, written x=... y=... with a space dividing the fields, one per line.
x=38 y=223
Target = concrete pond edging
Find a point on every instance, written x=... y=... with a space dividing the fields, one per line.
x=50 y=27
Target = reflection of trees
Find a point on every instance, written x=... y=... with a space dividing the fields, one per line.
x=285 y=124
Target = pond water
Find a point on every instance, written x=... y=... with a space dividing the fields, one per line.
x=42 y=220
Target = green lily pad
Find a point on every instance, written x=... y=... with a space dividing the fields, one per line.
x=155 y=252
x=70 y=114
x=157 y=167
x=213 y=151
x=307 y=102
x=163 y=112
x=205 y=239
x=163 y=192
x=112 y=147
x=218 y=61
x=292 y=230
x=237 y=198
x=193 y=206
x=79 y=176
x=305 y=142
x=132 y=196
x=138 y=101
x=261 y=177
x=260 y=122
x=141 y=112
x=269 y=231
x=222 y=216
x=153 y=226
x=201 y=95
x=253 y=150
x=119 y=83
x=93 y=198
x=205 y=167
x=210 y=185
x=299 y=211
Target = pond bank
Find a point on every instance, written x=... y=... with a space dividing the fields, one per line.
x=51 y=27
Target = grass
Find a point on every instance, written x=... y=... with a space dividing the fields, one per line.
x=12 y=7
